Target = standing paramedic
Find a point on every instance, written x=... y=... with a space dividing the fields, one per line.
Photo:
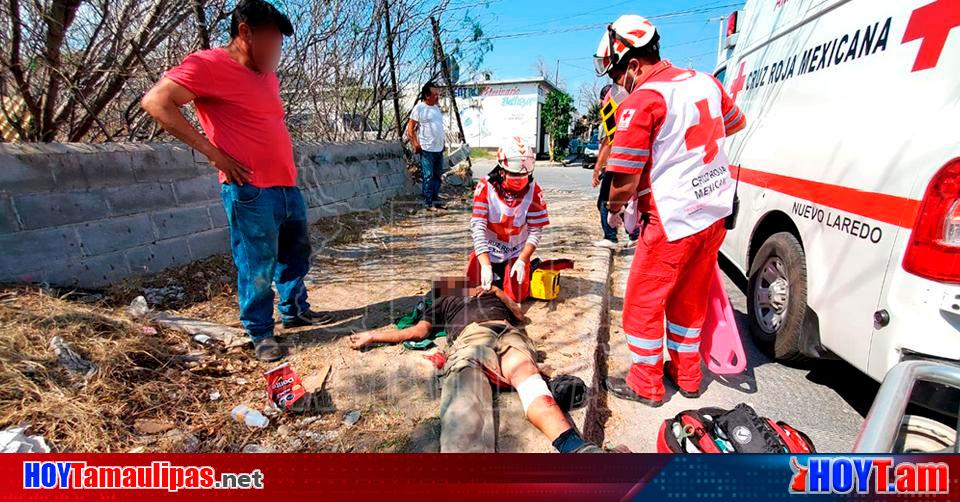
x=668 y=153
x=237 y=97
x=425 y=132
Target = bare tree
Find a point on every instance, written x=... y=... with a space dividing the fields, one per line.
x=74 y=70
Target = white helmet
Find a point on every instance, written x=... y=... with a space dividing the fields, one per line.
x=515 y=156
x=627 y=32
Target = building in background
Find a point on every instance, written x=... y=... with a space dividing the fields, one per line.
x=492 y=110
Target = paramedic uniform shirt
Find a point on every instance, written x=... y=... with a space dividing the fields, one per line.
x=430 y=132
x=671 y=130
x=241 y=113
x=453 y=313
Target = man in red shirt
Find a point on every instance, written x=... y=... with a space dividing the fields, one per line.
x=237 y=97
x=667 y=157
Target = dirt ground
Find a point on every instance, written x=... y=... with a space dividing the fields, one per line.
x=155 y=389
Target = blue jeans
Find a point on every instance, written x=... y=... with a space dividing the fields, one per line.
x=270 y=239
x=431 y=167
x=609 y=233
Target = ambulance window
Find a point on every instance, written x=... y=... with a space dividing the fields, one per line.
x=720 y=74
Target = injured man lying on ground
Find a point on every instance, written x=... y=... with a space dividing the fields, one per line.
x=484 y=348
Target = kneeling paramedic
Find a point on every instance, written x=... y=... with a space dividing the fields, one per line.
x=668 y=155
x=484 y=347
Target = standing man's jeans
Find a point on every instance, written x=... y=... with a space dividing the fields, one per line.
x=431 y=167
x=609 y=233
x=270 y=239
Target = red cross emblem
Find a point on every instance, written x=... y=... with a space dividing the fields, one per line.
x=737 y=84
x=705 y=133
x=932 y=23
x=504 y=228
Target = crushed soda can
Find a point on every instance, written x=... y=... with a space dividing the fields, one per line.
x=283 y=386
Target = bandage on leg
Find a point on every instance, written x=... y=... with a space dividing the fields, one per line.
x=532 y=388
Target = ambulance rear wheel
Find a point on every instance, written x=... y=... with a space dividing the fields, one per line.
x=777 y=296
x=924 y=435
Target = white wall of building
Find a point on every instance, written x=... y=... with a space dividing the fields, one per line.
x=494 y=112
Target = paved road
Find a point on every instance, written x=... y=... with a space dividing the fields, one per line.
x=826 y=399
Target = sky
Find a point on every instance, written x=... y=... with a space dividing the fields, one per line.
x=522 y=31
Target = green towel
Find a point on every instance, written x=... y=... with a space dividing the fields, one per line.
x=412 y=318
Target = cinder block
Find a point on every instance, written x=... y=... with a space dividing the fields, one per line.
x=209 y=243
x=181 y=221
x=90 y=272
x=327 y=211
x=8 y=216
x=18 y=177
x=110 y=165
x=164 y=163
x=63 y=160
x=366 y=185
x=34 y=250
x=218 y=215
x=45 y=210
x=160 y=256
x=139 y=198
x=115 y=234
x=198 y=189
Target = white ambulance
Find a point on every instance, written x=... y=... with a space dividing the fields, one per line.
x=849 y=177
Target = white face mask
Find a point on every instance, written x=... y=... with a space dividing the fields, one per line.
x=618 y=93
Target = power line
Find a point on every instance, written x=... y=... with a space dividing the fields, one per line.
x=597 y=11
x=584 y=27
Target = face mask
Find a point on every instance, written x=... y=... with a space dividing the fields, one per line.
x=515 y=184
x=618 y=93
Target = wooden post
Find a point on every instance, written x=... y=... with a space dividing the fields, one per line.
x=393 y=69
x=438 y=48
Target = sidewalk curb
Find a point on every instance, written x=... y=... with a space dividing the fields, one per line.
x=594 y=419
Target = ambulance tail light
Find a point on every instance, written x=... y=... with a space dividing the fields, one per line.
x=934 y=248
x=732 y=24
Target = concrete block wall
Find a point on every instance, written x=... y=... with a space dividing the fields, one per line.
x=88 y=215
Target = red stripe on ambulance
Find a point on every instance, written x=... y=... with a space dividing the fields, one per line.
x=900 y=211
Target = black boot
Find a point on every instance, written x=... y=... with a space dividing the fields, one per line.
x=667 y=366
x=619 y=388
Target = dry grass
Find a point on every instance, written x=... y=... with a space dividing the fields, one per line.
x=164 y=376
x=139 y=376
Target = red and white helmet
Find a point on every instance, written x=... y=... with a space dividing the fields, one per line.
x=515 y=156
x=627 y=32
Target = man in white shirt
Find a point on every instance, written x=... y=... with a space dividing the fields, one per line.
x=425 y=132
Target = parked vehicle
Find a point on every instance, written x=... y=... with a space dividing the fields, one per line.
x=849 y=180
x=590 y=151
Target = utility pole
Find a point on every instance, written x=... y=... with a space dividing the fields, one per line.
x=556 y=81
x=438 y=49
x=722 y=21
x=393 y=69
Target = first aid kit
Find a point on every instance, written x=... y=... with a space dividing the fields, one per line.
x=740 y=430
x=283 y=386
x=545 y=279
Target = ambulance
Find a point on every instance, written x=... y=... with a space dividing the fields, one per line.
x=848 y=177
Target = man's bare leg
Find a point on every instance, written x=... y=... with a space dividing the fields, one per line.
x=543 y=413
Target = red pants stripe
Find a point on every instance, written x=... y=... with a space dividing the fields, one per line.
x=668 y=280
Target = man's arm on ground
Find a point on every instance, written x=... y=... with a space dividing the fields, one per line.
x=416 y=332
x=163 y=103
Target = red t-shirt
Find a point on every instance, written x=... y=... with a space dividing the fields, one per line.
x=241 y=113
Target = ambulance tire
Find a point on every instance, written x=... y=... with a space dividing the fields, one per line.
x=920 y=434
x=784 y=343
